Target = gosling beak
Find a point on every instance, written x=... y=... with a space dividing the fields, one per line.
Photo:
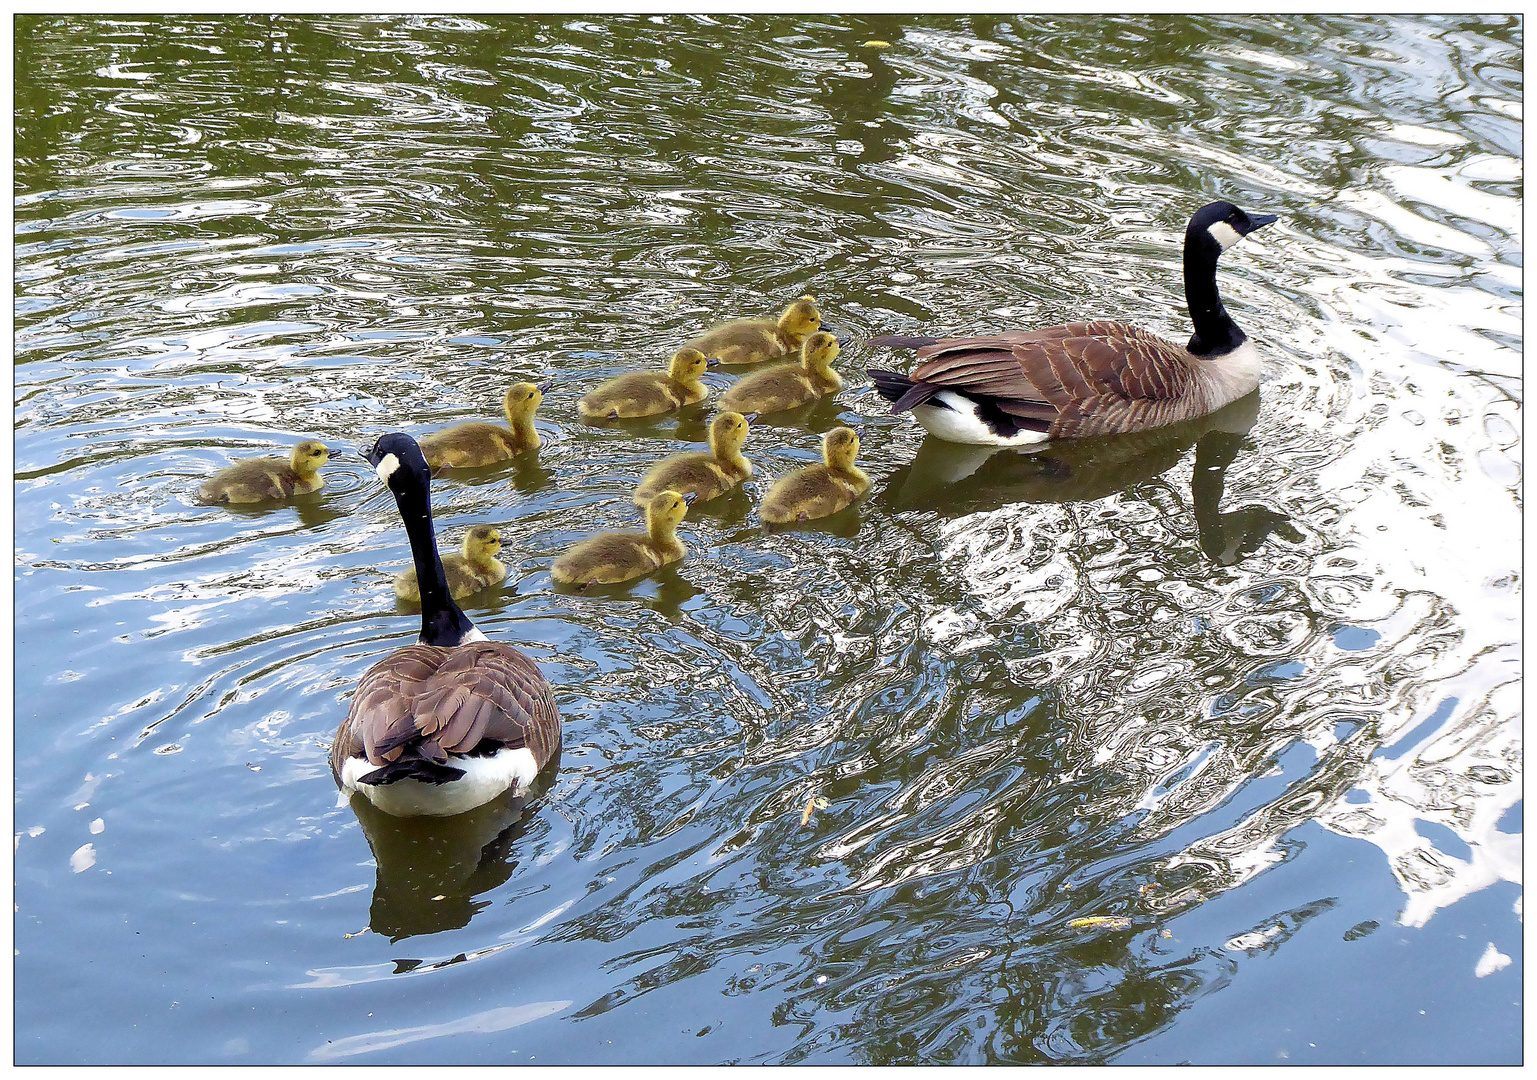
x=690 y=498
x=711 y=363
x=841 y=337
x=546 y=386
x=1259 y=221
x=751 y=418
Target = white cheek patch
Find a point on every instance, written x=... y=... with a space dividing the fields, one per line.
x=1225 y=234
x=386 y=467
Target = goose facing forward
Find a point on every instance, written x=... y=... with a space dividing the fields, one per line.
x=452 y=722
x=1024 y=387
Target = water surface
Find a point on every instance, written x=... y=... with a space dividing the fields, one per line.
x=1201 y=745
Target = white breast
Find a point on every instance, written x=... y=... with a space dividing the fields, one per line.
x=960 y=423
x=484 y=779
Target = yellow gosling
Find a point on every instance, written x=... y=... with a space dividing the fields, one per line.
x=619 y=556
x=818 y=490
x=705 y=476
x=268 y=478
x=789 y=387
x=649 y=393
x=476 y=568
x=747 y=341
x=469 y=446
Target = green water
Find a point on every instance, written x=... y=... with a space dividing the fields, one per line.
x=1245 y=694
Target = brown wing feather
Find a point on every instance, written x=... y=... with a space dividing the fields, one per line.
x=434 y=701
x=1087 y=378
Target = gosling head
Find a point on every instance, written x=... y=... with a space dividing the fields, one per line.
x=1220 y=225
x=399 y=464
x=728 y=432
x=801 y=318
x=667 y=509
x=482 y=543
x=520 y=401
x=687 y=365
x=819 y=352
x=307 y=458
x=840 y=447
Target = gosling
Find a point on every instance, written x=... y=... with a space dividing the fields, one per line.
x=265 y=479
x=747 y=341
x=649 y=393
x=789 y=387
x=705 y=476
x=818 y=491
x=619 y=556
x=470 y=446
x=475 y=569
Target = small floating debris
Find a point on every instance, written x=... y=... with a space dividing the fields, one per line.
x=83 y=859
x=358 y=933
x=816 y=802
x=877 y=43
x=1109 y=922
x=1491 y=961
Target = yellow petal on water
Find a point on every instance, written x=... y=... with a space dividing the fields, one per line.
x=878 y=44
x=1112 y=922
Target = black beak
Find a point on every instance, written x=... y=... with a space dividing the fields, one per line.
x=366 y=453
x=1259 y=221
x=711 y=363
x=840 y=337
x=751 y=418
x=546 y=386
x=688 y=500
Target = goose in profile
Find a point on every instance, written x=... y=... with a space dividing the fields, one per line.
x=265 y=479
x=612 y=557
x=818 y=490
x=705 y=476
x=453 y=721
x=747 y=341
x=470 y=446
x=1022 y=387
x=476 y=567
x=648 y=393
x=791 y=386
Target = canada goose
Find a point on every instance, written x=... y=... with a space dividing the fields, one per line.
x=818 y=490
x=747 y=341
x=474 y=569
x=788 y=387
x=469 y=446
x=266 y=478
x=1091 y=378
x=705 y=476
x=449 y=723
x=619 y=556
x=647 y=393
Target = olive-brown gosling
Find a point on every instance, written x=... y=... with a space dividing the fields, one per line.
x=619 y=556
x=789 y=387
x=648 y=393
x=818 y=490
x=704 y=475
x=747 y=341
x=474 y=569
x=469 y=446
x=267 y=478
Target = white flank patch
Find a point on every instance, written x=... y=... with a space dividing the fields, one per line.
x=1224 y=234
x=85 y=857
x=484 y=779
x=387 y=465
x=960 y=423
x=1491 y=961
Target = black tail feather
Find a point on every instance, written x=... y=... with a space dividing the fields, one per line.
x=901 y=391
x=428 y=772
x=901 y=341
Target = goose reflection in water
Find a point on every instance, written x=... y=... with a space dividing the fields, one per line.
x=952 y=479
x=430 y=870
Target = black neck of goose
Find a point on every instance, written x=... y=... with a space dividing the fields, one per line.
x=1215 y=331
x=442 y=621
